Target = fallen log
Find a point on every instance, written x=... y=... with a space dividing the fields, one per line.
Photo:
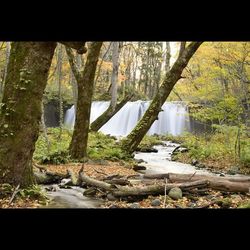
x=95 y=183
x=191 y=177
x=122 y=182
x=228 y=184
x=186 y=177
x=120 y=191
x=158 y=188
x=48 y=177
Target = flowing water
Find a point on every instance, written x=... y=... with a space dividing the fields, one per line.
x=174 y=118
x=160 y=162
x=71 y=198
x=155 y=163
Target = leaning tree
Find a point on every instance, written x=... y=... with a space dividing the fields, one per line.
x=131 y=142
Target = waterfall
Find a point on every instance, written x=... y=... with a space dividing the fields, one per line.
x=173 y=119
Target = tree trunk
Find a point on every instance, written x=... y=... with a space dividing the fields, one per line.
x=131 y=142
x=59 y=83
x=114 y=77
x=85 y=81
x=108 y=114
x=26 y=79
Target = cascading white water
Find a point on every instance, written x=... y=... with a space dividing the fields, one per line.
x=173 y=119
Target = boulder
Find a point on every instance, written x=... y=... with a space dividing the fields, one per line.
x=175 y=193
x=137 y=167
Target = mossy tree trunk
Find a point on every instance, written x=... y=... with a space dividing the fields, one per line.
x=85 y=82
x=20 y=110
x=26 y=79
x=131 y=142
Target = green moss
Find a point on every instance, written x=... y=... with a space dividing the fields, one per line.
x=100 y=147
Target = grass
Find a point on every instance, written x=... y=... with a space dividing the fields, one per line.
x=221 y=147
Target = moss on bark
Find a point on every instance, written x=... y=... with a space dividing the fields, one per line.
x=21 y=109
x=85 y=82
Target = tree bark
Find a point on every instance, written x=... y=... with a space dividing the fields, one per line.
x=26 y=80
x=85 y=82
x=108 y=114
x=131 y=142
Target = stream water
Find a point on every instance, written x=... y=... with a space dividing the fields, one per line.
x=159 y=162
x=71 y=198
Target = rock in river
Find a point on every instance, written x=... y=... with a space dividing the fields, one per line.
x=175 y=193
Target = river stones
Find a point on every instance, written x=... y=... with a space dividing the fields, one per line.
x=175 y=193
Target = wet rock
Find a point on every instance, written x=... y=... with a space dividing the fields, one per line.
x=194 y=162
x=137 y=167
x=90 y=192
x=148 y=150
x=111 y=197
x=156 y=203
x=139 y=160
x=222 y=175
x=175 y=193
x=54 y=188
x=135 y=205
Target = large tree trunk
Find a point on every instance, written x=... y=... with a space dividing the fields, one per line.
x=26 y=79
x=21 y=109
x=108 y=114
x=85 y=81
x=131 y=142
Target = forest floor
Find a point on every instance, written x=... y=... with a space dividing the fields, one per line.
x=209 y=199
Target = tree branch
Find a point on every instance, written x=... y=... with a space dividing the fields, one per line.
x=76 y=71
